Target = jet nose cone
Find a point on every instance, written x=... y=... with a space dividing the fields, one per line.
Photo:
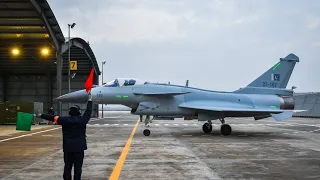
x=77 y=97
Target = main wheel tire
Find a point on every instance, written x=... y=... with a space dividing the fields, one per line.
x=146 y=132
x=207 y=128
x=225 y=129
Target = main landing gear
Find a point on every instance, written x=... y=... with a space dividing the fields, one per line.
x=225 y=128
x=207 y=127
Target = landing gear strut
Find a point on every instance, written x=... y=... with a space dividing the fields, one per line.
x=147 y=121
x=207 y=127
x=225 y=128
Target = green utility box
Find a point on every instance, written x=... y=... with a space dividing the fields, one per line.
x=9 y=110
x=24 y=121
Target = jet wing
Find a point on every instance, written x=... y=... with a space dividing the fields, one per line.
x=277 y=114
x=230 y=107
x=216 y=106
x=160 y=93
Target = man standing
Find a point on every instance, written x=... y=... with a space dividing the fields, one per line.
x=52 y=113
x=74 y=137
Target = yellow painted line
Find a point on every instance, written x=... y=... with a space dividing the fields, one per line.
x=117 y=169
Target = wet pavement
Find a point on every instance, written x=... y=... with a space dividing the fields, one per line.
x=178 y=149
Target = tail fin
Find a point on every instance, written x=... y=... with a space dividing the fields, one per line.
x=277 y=76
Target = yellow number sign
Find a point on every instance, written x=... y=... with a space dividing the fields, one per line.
x=73 y=65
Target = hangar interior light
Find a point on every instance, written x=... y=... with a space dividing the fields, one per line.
x=15 y=51
x=45 y=51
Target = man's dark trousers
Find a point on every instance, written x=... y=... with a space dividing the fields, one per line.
x=75 y=159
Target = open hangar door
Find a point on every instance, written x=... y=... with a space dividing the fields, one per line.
x=32 y=88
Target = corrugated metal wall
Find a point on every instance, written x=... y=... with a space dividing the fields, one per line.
x=310 y=102
x=27 y=88
x=1 y=89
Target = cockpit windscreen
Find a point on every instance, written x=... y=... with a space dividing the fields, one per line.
x=124 y=82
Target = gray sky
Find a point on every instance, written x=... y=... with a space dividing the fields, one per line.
x=216 y=44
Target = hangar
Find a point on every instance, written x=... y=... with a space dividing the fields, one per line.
x=309 y=101
x=34 y=56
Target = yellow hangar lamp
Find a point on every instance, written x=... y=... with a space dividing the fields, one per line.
x=45 y=51
x=15 y=51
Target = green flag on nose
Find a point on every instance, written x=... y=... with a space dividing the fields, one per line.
x=24 y=121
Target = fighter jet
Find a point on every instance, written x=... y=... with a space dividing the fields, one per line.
x=264 y=97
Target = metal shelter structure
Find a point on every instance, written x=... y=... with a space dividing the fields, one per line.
x=308 y=101
x=34 y=55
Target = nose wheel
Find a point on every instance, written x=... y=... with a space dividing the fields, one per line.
x=146 y=132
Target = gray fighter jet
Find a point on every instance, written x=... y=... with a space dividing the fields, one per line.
x=264 y=97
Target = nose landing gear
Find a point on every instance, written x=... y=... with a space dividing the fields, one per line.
x=146 y=132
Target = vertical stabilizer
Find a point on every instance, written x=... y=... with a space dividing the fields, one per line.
x=277 y=76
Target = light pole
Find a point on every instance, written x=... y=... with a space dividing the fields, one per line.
x=104 y=62
x=69 y=86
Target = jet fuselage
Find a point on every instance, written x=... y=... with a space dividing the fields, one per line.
x=164 y=100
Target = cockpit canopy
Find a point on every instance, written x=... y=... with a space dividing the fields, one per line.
x=124 y=82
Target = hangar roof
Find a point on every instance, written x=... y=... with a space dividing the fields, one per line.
x=80 y=51
x=28 y=26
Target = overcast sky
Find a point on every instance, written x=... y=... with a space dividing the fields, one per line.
x=216 y=44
